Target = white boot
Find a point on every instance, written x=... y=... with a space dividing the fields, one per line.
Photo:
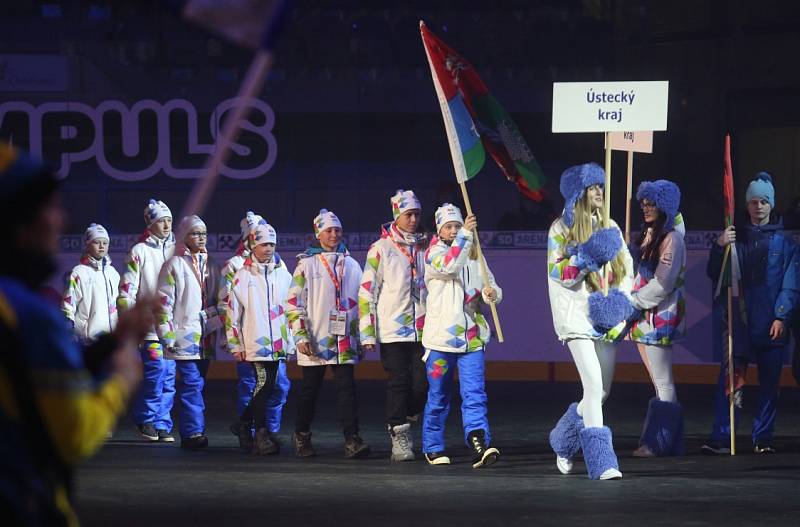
x=402 y=444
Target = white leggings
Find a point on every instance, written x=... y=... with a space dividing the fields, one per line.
x=595 y=361
x=658 y=361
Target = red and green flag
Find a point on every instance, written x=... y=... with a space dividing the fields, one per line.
x=731 y=274
x=476 y=123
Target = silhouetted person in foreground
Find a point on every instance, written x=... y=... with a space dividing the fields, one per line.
x=57 y=401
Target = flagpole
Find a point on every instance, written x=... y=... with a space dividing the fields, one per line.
x=629 y=198
x=254 y=80
x=484 y=268
x=731 y=410
x=728 y=255
x=607 y=205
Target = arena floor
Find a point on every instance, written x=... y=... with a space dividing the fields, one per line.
x=137 y=484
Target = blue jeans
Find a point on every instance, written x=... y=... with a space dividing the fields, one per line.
x=190 y=390
x=770 y=364
x=153 y=403
x=441 y=369
x=276 y=400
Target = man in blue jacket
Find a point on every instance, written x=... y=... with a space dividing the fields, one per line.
x=770 y=266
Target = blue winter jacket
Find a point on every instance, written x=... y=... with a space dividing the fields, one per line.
x=770 y=265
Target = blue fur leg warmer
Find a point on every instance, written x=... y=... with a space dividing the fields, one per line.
x=663 y=428
x=564 y=437
x=601 y=247
x=608 y=311
x=598 y=450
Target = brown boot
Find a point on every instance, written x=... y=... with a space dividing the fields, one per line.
x=355 y=447
x=302 y=444
x=243 y=430
x=263 y=445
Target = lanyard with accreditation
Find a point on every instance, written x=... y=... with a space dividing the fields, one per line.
x=415 y=285
x=337 y=319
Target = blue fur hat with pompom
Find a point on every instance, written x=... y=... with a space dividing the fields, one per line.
x=761 y=187
x=665 y=194
x=574 y=182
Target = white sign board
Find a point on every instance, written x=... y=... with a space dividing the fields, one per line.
x=632 y=141
x=609 y=106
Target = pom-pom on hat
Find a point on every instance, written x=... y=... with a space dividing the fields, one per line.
x=404 y=200
x=248 y=223
x=447 y=213
x=25 y=185
x=17 y=169
x=325 y=220
x=665 y=194
x=262 y=232
x=574 y=182
x=761 y=187
x=154 y=211
x=94 y=232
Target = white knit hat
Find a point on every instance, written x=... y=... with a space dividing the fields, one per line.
x=154 y=211
x=248 y=223
x=404 y=200
x=94 y=232
x=447 y=213
x=188 y=223
x=325 y=220
x=263 y=232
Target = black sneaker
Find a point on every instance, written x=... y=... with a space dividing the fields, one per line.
x=165 y=437
x=355 y=447
x=715 y=449
x=437 y=458
x=194 y=442
x=263 y=444
x=148 y=432
x=302 y=444
x=244 y=431
x=482 y=455
x=763 y=448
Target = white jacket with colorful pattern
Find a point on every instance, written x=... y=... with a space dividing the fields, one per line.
x=391 y=300
x=453 y=321
x=569 y=293
x=312 y=297
x=90 y=298
x=255 y=320
x=142 y=266
x=660 y=294
x=187 y=285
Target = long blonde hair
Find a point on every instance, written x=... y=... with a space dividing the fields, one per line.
x=582 y=229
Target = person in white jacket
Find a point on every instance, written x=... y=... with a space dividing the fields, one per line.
x=391 y=306
x=658 y=295
x=153 y=404
x=323 y=312
x=258 y=333
x=90 y=298
x=578 y=246
x=187 y=327
x=244 y=370
x=456 y=335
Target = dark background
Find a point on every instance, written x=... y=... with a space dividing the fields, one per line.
x=357 y=116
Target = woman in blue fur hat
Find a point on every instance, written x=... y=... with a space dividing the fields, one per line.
x=770 y=266
x=578 y=246
x=658 y=296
